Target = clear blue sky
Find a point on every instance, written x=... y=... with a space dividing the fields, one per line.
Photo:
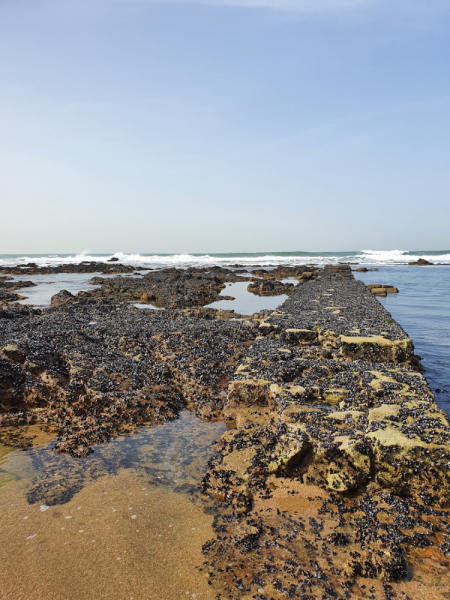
x=224 y=125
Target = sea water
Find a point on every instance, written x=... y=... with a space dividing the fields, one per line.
x=47 y=286
x=248 y=259
x=422 y=307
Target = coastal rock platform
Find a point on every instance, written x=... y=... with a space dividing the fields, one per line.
x=332 y=480
x=337 y=467
x=92 y=370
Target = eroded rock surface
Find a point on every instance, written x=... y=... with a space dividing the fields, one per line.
x=335 y=468
x=83 y=267
x=192 y=287
x=270 y=288
x=168 y=288
x=8 y=287
x=94 y=369
x=338 y=466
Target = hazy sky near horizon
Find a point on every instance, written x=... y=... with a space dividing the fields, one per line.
x=224 y=125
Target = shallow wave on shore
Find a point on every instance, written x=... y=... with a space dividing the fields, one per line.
x=365 y=257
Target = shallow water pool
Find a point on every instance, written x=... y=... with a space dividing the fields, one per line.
x=49 y=285
x=125 y=522
x=246 y=303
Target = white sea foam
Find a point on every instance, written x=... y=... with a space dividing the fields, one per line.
x=400 y=256
x=385 y=256
x=369 y=257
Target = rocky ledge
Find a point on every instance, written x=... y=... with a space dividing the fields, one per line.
x=93 y=365
x=337 y=465
x=94 y=370
x=334 y=473
x=183 y=288
x=8 y=287
x=86 y=266
x=380 y=289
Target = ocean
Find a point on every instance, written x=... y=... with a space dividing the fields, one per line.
x=364 y=257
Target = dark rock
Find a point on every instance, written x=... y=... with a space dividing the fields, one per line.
x=421 y=261
x=62 y=298
x=261 y=287
x=83 y=267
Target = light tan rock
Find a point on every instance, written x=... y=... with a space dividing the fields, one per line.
x=376 y=348
x=382 y=412
x=249 y=391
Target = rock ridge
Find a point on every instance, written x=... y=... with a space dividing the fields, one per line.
x=333 y=419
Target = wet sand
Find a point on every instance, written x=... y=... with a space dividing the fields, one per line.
x=429 y=577
x=118 y=538
x=133 y=527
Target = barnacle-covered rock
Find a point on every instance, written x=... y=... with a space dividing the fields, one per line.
x=376 y=348
x=330 y=400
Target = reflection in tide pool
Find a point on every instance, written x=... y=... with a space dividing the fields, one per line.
x=126 y=522
x=246 y=303
x=49 y=285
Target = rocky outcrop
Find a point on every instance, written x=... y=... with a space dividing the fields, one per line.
x=8 y=286
x=169 y=288
x=270 y=288
x=334 y=423
x=93 y=370
x=300 y=272
x=383 y=290
x=82 y=267
x=420 y=262
x=62 y=298
x=192 y=287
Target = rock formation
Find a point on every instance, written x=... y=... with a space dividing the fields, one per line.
x=333 y=477
x=337 y=467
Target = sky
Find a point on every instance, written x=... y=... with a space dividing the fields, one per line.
x=224 y=125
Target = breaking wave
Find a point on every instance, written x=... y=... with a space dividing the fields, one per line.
x=364 y=257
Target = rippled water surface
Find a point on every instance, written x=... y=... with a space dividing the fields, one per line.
x=422 y=307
